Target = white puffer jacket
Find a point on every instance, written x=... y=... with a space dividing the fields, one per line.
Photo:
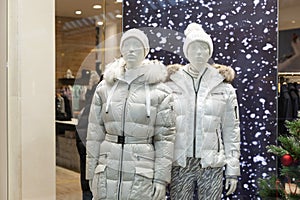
x=209 y=113
x=131 y=129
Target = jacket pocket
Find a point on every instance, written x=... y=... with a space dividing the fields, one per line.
x=213 y=158
x=142 y=184
x=99 y=182
x=143 y=158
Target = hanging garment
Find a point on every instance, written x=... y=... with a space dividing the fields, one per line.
x=285 y=109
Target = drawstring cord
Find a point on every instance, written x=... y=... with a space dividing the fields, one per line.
x=147 y=96
x=147 y=90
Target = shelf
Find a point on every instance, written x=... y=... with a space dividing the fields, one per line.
x=73 y=81
x=67 y=81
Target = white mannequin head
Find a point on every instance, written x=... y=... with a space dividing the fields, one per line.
x=134 y=47
x=133 y=52
x=194 y=32
x=198 y=53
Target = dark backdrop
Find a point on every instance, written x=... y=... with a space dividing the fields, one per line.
x=245 y=38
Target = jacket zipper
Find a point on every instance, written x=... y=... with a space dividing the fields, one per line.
x=122 y=149
x=195 y=121
x=195 y=110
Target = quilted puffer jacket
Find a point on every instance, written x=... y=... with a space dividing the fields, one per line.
x=131 y=129
x=209 y=126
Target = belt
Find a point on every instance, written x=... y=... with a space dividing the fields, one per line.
x=127 y=139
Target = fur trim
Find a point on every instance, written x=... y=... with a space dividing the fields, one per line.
x=226 y=71
x=154 y=71
x=114 y=70
x=172 y=69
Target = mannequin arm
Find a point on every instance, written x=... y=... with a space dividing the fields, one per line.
x=90 y=183
x=230 y=185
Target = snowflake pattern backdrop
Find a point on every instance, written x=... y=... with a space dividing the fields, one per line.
x=244 y=34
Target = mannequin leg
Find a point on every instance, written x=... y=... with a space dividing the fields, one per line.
x=183 y=180
x=210 y=184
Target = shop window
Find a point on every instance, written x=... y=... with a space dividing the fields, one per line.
x=87 y=35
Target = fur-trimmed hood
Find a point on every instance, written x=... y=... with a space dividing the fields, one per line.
x=153 y=71
x=227 y=72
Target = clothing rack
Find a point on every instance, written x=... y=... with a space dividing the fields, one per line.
x=289 y=77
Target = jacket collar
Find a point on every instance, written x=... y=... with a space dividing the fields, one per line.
x=211 y=78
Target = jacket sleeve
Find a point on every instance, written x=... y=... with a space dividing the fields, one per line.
x=95 y=135
x=231 y=134
x=164 y=137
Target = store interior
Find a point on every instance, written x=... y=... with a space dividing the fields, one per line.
x=87 y=38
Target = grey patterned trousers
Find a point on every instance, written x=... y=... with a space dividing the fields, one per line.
x=208 y=182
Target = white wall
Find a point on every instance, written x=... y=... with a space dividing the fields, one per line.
x=3 y=100
x=287 y=15
x=31 y=71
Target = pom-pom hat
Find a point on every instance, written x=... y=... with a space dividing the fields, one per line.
x=138 y=34
x=194 y=32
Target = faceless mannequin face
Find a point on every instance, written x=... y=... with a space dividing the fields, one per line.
x=133 y=52
x=198 y=53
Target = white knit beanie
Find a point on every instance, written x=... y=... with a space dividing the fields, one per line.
x=138 y=34
x=195 y=32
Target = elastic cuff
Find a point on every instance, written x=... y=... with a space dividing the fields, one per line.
x=231 y=177
x=160 y=181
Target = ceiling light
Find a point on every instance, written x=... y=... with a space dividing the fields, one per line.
x=97 y=6
x=119 y=16
x=99 y=23
x=293 y=21
x=119 y=1
x=78 y=12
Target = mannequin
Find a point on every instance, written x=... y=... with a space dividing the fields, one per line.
x=131 y=132
x=81 y=133
x=210 y=138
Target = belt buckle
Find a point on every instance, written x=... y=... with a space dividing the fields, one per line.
x=121 y=139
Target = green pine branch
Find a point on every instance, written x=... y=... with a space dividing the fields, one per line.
x=277 y=150
x=270 y=188
x=294 y=128
x=291 y=145
x=288 y=144
x=292 y=172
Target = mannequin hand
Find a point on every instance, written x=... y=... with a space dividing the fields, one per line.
x=159 y=191
x=233 y=183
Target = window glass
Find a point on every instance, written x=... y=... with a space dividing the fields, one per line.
x=87 y=36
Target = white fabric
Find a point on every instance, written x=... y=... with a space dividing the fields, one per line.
x=130 y=104
x=216 y=124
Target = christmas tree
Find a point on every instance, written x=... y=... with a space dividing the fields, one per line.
x=286 y=186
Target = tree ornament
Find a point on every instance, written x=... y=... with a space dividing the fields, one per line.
x=287 y=160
